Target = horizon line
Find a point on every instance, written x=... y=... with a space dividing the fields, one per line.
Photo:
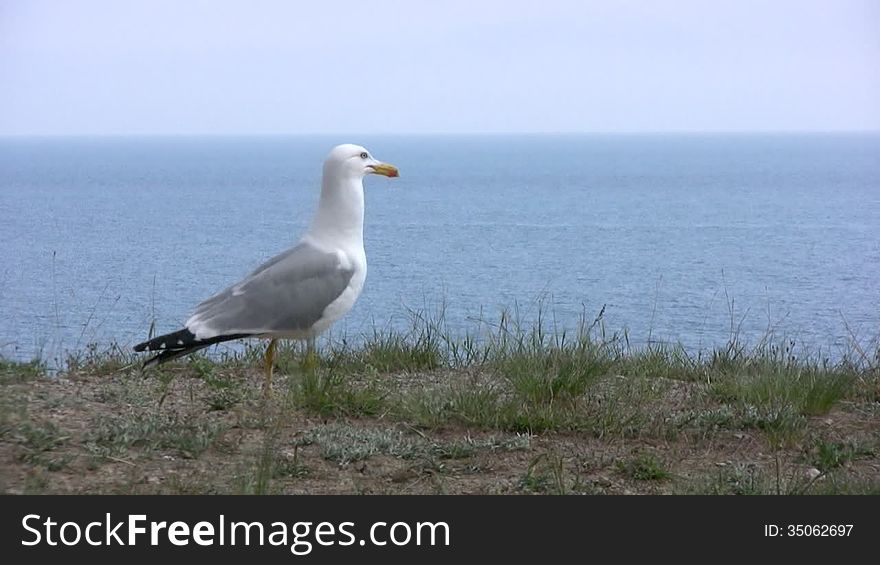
x=444 y=133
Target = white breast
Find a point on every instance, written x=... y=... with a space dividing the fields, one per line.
x=350 y=259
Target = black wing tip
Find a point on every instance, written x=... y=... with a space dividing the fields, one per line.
x=177 y=344
x=180 y=339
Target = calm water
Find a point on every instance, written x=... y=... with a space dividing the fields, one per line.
x=100 y=236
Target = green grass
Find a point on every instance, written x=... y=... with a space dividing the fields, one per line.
x=831 y=455
x=778 y=397
x=287 y=465
x=40 y=436
x=346 y=443
x=661 y=360
x=329 y=393
x=454 y=404
x=548 y=375
x=101 y=361
x=738 y=480
x=749 y=479
x=607 y=406
x=483 y=408
x=434 y=408
x=12 y=411
x=38 y=440
x=843 y=485
x=378 y=352
x=188 y=436
x=643 y=468
x=806 y=392
x=626 y=407
x=388 y=352
x=227 y=388
x=547 y=474
x=469 y=446
x=14 y=372
x=773 y=389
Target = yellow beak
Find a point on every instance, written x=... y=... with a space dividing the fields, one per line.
x=384 y=169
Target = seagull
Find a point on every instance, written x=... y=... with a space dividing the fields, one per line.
x=300 y=292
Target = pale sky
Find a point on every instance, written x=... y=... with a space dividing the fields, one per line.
x=378 y=66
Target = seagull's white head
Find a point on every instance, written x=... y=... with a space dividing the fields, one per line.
x=354 y=161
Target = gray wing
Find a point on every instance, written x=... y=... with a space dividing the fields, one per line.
x=287 y=293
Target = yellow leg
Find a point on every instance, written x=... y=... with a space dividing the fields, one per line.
x=269 y=364
x=310 y=361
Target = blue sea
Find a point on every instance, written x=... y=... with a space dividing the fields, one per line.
x=680 y=238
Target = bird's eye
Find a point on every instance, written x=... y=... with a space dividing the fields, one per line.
x=364 y=155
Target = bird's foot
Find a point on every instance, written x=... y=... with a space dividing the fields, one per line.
x=310 y=361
